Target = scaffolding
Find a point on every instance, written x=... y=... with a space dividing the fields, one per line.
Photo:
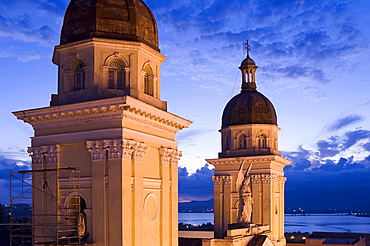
x=46 y=207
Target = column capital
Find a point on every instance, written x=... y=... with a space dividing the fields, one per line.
x=281 y=180
x=51 y=153
x=268 y=178
x=127 y=149
x=227 y=180
x=169 y=156
x=139 y=150
x=217 y=180
x=255 y=179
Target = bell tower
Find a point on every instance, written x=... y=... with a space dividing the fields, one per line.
x=108 y=123
x=249 y=133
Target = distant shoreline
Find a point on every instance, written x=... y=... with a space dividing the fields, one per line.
x=300 y=214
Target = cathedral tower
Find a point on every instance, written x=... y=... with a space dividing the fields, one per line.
x=249 y=132
x=107 y=122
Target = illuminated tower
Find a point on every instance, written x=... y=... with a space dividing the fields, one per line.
x=249 y=131
x=108 y=121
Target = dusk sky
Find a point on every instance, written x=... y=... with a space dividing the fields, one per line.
x=314 y=66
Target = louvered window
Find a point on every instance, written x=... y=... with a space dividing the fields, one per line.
x=116 y=76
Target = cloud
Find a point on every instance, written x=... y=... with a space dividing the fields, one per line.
x=343 y=185
x=12 y=52
x=345 y=121
x=21 y=28
x=366 y=146
x=332 y=148
x=198 y=186
x=22 y=20
x=188 y=135
x=337 y=144
x=6 y=165
x=295 y=72
x=302 y=41
x=28 y=56
x=329 y=147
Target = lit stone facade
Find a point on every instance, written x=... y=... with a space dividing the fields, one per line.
x=249 y=132
x=268 y=181
x=107 y=120
x=138 y=64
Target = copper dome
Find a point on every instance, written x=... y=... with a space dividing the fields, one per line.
x=249 y=107
x=128 y=20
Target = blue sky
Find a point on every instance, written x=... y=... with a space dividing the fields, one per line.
x=313 y=66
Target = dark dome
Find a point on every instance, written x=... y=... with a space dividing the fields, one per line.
x=247 y=61
x=249 y=107
x=128 y=20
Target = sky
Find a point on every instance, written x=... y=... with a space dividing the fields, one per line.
x=313 y=66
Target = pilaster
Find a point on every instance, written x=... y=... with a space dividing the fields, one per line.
x=166 y=222
x=174 y=197
x=46 y=187
x=227 y=201
x=114 y=159
x=257 y=214
x=169 y=164
x=218 y=208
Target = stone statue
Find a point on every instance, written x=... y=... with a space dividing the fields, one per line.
x=245 y=196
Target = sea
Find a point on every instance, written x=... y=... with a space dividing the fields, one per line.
x=297 y=223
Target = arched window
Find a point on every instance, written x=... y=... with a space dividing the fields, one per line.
x=242 y=142
x=79 y=77
x=262 y=140
x=148 y=80
x=116 y=75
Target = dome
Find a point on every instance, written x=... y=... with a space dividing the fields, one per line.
x=128 y=20
x=249 y=107
x=247 y=61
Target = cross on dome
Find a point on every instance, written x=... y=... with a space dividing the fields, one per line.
x=247 y=47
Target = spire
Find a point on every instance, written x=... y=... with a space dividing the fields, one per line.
x=248 y=68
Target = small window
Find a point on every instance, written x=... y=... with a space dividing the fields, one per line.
x=79 y=78
x=262 y=140
x=116 y=76
x=242 y=142
x=148 y=81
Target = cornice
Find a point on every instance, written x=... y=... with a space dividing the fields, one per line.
x=237 y=160
x=102 y=110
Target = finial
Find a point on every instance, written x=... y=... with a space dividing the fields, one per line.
x=247 y=47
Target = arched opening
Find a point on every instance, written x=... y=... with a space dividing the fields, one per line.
x=148 y=80
x=249 y=73
x=77 y=216
x=242 y=141
x=262 y=140
x=116 y=75
x=79 y=75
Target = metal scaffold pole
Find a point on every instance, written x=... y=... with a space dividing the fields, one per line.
x=46 y=207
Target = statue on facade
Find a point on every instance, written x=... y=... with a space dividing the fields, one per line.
x=245 y=196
